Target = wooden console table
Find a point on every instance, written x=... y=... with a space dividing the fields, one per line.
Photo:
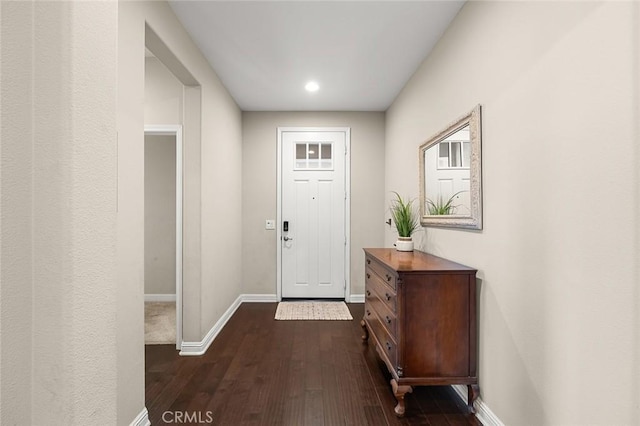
x=420 y=310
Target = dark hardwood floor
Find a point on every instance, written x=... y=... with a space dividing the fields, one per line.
x=260 y=371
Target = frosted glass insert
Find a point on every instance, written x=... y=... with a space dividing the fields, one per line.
x=443 y=156
x=313 y=156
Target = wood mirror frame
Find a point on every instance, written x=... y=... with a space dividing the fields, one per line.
x=472 y=218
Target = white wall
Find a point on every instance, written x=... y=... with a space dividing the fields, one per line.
x=218 y=201
x=163 y=94
x=168 y=101
x=159 y=214
x=164 y=105
x=58 y=213
x=259 y=189
x=558 y=256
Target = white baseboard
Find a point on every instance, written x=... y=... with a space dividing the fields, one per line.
x=141 y=419
x=199 y=348
x=483 y=412
x=356 y=298
x=159 y=297
x=259 y=298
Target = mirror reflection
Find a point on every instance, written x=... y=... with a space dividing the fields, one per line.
x=450 y=175
x=447 y=178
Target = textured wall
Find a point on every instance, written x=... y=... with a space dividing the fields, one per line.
x=259 y=188
x=58 y=213
x=130 y=212
x=16 y=215
x=558 y=83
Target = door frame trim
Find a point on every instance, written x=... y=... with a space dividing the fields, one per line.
x=175 y=130
x=347 y=212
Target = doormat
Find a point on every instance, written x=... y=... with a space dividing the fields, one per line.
x=319 y=311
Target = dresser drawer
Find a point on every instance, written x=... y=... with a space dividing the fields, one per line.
x=375 y=286
x=369 y=311
x=387 y=344
x=374 y=307
x=387 y=276
x=389 y=321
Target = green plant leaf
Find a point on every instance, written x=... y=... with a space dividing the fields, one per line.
x=404 y=216
x=442 y=207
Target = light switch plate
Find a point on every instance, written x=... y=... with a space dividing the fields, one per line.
x=270 y=224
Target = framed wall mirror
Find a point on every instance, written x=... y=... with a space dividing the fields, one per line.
x=451 y=175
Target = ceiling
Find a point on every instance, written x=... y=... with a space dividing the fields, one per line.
x=361 y=53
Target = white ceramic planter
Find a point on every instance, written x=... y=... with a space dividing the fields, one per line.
x=404 y=244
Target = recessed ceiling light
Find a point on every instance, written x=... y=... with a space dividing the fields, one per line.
x=312 y=86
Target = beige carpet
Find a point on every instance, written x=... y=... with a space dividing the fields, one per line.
x=313 y=311
x=159 y=323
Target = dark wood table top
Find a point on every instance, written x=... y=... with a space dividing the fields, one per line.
x=415 y=261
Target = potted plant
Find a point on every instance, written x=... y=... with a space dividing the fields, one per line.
x=442 y=207
x=406 y=220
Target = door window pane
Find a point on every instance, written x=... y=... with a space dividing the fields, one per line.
x=314 y=151
x=301 y=151
x=313 y=156
x=443 y=155
x=301 y=156
x=326 y=151
x=326 y=156
x=455 y=155
x=466 y=154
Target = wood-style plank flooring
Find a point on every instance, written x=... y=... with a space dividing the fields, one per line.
x=259 y=371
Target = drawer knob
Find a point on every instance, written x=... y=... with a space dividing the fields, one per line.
x=388 y=277
x=368 y=293
x=388 y=319
x=368 y=312
x=368 y=275
x=368 y=261
x=388 y=346
x=388 y=296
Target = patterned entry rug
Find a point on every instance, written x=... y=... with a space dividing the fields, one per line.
x=313 y=310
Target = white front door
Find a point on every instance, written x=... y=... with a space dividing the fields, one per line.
x=448 y=164
x=313 y=213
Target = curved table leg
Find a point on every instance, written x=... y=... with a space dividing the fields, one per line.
x=399 y=392
x=365 y=336
x=473 y=391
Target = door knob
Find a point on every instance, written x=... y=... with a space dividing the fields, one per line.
x=287 y=238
